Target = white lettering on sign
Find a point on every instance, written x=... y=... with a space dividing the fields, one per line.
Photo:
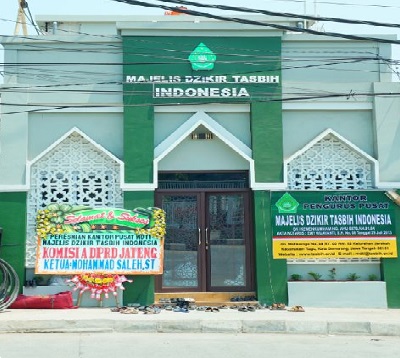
x=202 y=79
x=206 y=79
x=153 y=79
x=256 y=79
x=200 y=92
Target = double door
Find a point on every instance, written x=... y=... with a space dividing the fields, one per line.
x=207 y=244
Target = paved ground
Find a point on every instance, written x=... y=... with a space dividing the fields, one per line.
x=326 y=321
x=194 y=345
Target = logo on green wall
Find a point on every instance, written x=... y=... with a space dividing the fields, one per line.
x=287 y=204
x=202 y=58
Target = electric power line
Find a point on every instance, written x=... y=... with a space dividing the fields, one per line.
x=284 y=14
x=263 y=24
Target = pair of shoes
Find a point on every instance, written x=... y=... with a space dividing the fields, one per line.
x=181 y=309
x=223 y=307
x=278 y=306
x=117 y=309
x=296 y=309
x=201 y=308
x=152 y=310
x=247 y=309
x=129 y=310
x=212 y=309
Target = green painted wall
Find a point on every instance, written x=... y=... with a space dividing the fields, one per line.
x=157 y=57
x=391 y=269
x=13 y=222
x=141 y=290
x=138 y=143
x=270 y=274
x=267 y=141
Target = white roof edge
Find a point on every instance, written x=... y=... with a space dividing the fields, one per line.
x=156 y=18
x=200 y=118
x=323 y=135
x=63 y=137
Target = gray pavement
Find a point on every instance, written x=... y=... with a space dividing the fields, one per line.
x=323 y=321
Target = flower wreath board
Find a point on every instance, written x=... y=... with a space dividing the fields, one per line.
x=99 y=246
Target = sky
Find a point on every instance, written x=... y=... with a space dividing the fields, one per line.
x=387 y=11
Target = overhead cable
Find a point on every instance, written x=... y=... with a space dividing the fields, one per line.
x=263 y=24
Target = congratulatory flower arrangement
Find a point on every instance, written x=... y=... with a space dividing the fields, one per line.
x=98 y=284
x=55 y=219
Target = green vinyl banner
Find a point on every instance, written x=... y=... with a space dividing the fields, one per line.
x=332 y=225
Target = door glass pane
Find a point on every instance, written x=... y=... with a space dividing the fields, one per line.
x=181 y=241
x=226 y=240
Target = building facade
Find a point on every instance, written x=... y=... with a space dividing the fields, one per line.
x=214 y=122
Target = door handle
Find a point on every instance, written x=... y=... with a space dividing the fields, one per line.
x=199 y=237
x=206 y=235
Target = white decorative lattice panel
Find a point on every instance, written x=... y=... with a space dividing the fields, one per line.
x=77 y=172
x=330 y=164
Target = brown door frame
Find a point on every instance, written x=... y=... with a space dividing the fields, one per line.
x=204 y=269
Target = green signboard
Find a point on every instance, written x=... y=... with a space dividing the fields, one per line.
x=332 y=225
x=201 y=69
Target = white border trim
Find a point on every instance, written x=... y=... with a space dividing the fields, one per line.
x=138 y=187
x=327 y=106
x=171 y=142
x=6 y=188
x=209 y=108
x=385 y=185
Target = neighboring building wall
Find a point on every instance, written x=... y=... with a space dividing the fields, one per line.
x=387 y=130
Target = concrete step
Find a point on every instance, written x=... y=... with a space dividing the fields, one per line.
x=210 y=298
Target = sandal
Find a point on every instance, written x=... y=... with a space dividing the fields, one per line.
x=278 y=306
x=297 y=309
x=129 y=310
x=117 y=309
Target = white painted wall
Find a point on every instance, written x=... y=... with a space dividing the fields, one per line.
x=300 y=127
x=203 y=155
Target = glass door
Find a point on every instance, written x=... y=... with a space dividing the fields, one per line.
x=182 y=259
x=227 y=233
x=207 y=242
